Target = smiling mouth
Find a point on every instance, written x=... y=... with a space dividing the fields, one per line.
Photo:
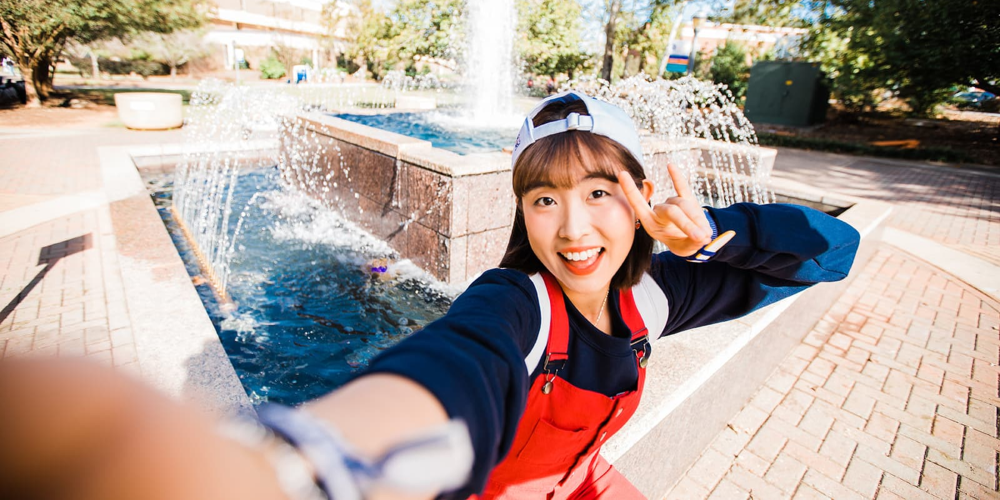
x=582 y=262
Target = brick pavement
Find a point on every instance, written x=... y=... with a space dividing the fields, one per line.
x=65 y=269
x=955 y=207
x=893 y=394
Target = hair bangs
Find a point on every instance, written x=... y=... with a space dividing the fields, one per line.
x=563 y=160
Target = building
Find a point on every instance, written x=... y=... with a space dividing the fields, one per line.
x=757 y=39
x=249 y=29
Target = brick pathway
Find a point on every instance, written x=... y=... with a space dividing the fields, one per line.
x=948 y=205
x=894 y=394
x=77 y=305
x=65 y=269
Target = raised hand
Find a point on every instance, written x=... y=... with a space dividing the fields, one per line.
x=679 y=222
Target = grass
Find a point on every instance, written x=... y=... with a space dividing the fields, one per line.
x=816 y=144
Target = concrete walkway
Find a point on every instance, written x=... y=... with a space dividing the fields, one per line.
x=894 y=393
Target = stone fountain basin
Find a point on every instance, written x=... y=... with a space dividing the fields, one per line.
x=451 y=214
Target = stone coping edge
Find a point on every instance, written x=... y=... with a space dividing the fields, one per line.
x=179 y=351
x=403 y=148
x=422 y=153
x=686 y=361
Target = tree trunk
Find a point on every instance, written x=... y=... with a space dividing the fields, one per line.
x=614 y=6
x=95 y=69
x=42 y=77
x=29 y=88
x=173 y=71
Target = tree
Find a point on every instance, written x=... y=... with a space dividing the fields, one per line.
x=915 y=49
x=35 y=32
x=366 y=26
x=644 y=33
x=427 y=28
x=174 y=49
x=638 y=28
x=549 y=36
x=614 y=8
x=729 y=66
x=412 y=30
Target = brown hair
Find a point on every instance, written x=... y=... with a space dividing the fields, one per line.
x=553 y=160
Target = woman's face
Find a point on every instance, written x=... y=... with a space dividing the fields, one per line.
x=582 y=234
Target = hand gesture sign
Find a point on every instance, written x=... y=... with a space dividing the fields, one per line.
x=679 y=222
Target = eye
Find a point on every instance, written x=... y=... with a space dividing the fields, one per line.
x=599 y=193
x=545 y=201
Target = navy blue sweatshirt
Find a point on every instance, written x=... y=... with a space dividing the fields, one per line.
x=473 y=358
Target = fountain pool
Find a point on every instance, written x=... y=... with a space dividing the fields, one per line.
x=449 y=131
x=306 y=310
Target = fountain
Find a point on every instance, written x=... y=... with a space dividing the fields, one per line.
x=490 y=70
x=285 y=206
x=424 y=200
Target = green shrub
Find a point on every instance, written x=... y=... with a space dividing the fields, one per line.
x=729 y=66
x=141 y=67
x=271 y=68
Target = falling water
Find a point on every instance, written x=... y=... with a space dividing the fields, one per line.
x=697 y=126
x=229 y=128
x=490 y=68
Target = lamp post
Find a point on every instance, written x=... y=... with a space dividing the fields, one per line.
x=696 y=22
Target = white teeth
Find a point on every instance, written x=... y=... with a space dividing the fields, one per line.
x=579 y=256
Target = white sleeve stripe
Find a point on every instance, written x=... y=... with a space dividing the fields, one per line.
x=535 y=356
x=652 y=305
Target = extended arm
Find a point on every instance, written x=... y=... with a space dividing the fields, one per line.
x=71 y=429
x=778 y=250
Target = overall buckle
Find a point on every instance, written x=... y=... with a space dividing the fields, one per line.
x=550 y=373
x=644 y=358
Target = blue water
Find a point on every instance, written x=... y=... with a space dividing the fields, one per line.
x=309 y=313
x=443 y=130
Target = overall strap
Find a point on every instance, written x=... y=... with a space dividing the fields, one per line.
x=634 y=320
x=558 y=344
x=630 y=314
x=553 y=330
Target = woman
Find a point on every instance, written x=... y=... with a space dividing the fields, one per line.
x=544 y=358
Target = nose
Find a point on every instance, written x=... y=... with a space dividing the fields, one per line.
x=575 y=222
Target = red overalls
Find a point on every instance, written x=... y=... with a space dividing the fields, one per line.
x=555 y=454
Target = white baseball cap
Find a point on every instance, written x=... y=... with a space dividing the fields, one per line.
x=604 y=119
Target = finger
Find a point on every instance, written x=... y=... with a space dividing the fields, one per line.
x=680 y=183
x=693 y=212
x=639 y=204
x=676 y=216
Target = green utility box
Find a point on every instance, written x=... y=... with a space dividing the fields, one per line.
x=786 y=93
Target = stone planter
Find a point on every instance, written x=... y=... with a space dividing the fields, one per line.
x=149 y=110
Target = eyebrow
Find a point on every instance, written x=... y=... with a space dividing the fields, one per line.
x=539 y=184
x=590 y=175
x=601 y=175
